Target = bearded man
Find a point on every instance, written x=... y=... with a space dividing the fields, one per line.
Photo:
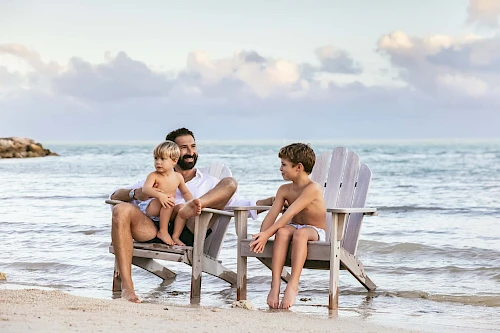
x=129 y=223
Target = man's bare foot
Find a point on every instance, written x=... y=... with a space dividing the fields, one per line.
x=130 y=296
x=273 y=299
x=289 y=297
x=191 y=208
x=165 y=237
x=177 y=241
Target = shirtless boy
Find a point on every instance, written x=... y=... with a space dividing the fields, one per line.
x=303 y=221
x=161 y=185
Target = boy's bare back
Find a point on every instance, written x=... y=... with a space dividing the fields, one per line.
x=314 y=213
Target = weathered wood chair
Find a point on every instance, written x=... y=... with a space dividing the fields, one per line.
x=202 y=256
x=346 y=188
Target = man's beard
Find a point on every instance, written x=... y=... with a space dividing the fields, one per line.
x=181 y=163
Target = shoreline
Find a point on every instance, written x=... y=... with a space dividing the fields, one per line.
x=56 y=311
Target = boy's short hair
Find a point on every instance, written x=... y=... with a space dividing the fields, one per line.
x=167 y=149
x=299 y=153
x=178 y=132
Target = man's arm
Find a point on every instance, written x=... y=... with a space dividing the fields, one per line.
x=122 y=195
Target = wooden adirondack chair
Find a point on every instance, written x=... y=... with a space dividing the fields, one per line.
x=202 y=256
x=346 y=187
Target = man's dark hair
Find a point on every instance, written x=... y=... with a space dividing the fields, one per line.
x=178 y=132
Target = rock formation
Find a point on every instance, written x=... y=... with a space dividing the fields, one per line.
x=22 y=147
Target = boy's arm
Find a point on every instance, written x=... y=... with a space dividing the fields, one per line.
x=275 y=210
x=186 y=194
x=148 y=188
x=259 y=240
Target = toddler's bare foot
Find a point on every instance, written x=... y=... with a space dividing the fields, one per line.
x=289 y=297
x=177 y=241
x=130 y=296
x=165 y=237
x=191 y=208
x=273 y=299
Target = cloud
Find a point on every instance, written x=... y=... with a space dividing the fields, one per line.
x=484 y=12
x=337 y=61
x=454 y=71
x=119 y=78
x=447 y=85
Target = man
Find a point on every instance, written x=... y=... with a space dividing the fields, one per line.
x=129 y=223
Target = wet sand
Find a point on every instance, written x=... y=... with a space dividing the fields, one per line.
x=54 y=311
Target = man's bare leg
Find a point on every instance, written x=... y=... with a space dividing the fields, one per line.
x=299 y=255
x=280 y=250
x=129 y=223
x=215 y=198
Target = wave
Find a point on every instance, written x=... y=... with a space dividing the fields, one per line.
x=417 y=248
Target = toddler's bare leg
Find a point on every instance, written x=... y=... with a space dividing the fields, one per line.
x=153 y=209
x=280 y=249
x=299 y=254
x=179 y=224
x=163 y=234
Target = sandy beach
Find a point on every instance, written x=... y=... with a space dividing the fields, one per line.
x=54 y=311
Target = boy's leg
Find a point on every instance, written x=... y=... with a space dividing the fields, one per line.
x=299 y=254
x=154 y=207
x=163 y=234
x=179 y=224
x=280 y=249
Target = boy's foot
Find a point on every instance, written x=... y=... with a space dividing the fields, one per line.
x=273 y=299
x=177 y=241
x=130 y=296
x=191 y=208
x=165 y=237
x=289 y=297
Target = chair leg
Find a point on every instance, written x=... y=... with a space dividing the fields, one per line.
x=200 y=231
x=355 y=267
x=241 y=219
x=153 y=267
x=215 y=268
x=117 y=279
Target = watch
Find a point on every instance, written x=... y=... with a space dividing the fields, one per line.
x=131 y=194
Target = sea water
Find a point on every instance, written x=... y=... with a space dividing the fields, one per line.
x=433 y=251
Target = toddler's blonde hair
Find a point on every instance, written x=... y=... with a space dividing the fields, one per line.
x=167 y=149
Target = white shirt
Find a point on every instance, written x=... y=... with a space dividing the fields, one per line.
x=198 y=186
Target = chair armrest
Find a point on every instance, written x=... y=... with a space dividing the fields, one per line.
x=236 y=208
x=113 y=202
x=217 y=211
x=365 y=211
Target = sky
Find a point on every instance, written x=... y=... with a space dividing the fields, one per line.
x=114 y=70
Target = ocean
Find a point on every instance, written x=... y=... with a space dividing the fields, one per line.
x=433 y=251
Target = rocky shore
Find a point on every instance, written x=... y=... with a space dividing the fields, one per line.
x=22 y=147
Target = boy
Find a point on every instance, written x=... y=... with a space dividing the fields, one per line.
x=303 y=221
x=161 y=186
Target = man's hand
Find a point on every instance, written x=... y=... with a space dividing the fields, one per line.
x=259 y=242
x=167 y=201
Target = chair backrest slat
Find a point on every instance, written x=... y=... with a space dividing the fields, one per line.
x=353 y=227
x=321 y=167
x=333 y=182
